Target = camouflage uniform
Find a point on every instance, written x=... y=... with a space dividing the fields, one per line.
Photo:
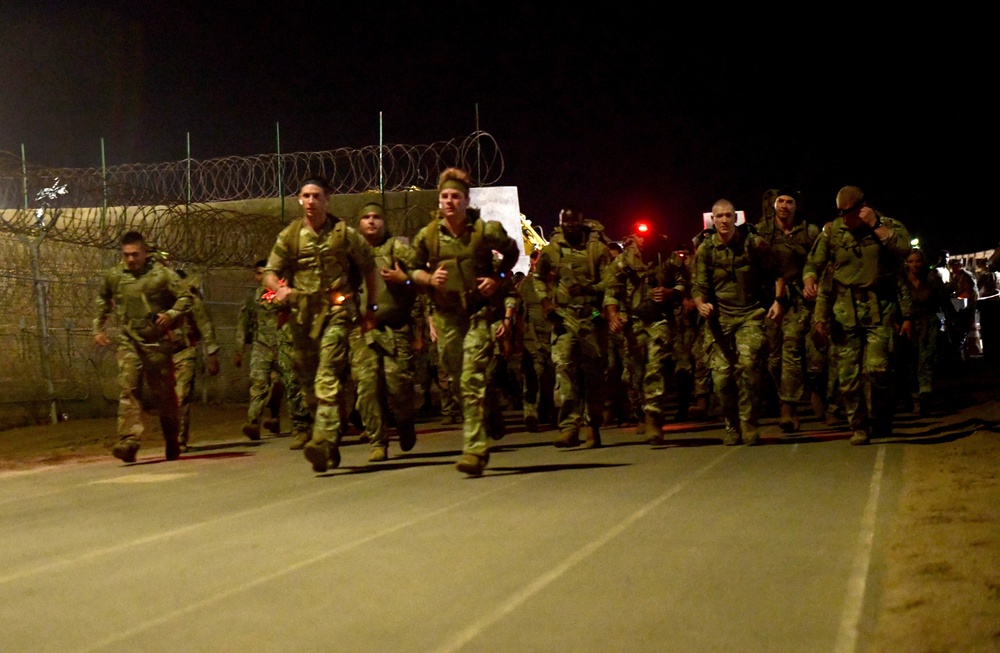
x=257 y=326
x=794 y=360
x=571 y=277
x=193 y=329
x=862 y=305
x=298 y=411
x=927 y=301
x=323 y=270
x=382 y=359
x=462 y=315
x=538 y=372
x=425 y=360
x=652 y=322
x=731 y=277
x=143 y=349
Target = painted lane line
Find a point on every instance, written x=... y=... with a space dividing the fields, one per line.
x=578 y=556
x=847 y=636
x=302 y=564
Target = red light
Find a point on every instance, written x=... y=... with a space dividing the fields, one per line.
x=642 y=228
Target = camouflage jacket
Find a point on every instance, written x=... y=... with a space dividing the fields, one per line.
x=324 y=269
x=258 y=320
x=395 y=302
x=195 y=327
x=137 y=297
x=732 y=275
x=862 y=270
x=573 y=276
x=790 y=250
x=465 y=257
x=635 y=279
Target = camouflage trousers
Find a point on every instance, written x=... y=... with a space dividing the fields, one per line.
x=448 y=379
x=298 y=410
x=635 y=339
x=619 y=400
x=155 y=364
x=538 y=374
x=321 y=367
x=264 y=375
x=864 y=375
x=579 y=353
x=466 y=345
x=922 y=350
x=690 y=355
x=794 y=360
x=382 y=371
x=185 y=368
x=734 y=358
x=659 y=351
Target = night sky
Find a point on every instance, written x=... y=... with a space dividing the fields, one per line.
x=624 y=113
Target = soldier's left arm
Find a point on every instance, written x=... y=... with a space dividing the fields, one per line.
x=495 y=237
x=183 y=300
x=199 y=311
x=893 y=235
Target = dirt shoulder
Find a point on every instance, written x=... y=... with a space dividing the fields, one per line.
x=939 y=589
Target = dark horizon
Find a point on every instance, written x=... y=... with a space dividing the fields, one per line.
x=626 y=117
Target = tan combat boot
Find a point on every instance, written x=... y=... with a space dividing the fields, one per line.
x=593 y=438
x=654 y=426
x=570 y=437
x=789 y=421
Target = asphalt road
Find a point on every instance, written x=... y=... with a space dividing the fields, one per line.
x=240 y=547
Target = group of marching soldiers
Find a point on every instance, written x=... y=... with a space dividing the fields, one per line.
x=354 y=318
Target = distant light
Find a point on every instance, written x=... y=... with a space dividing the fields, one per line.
x=642 y=228
x=914 y=242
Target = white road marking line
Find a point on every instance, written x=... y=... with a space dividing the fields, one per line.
x=143 y=478
x=343 y=548
x=847 y=637
x=64 y=563
x=543 y=581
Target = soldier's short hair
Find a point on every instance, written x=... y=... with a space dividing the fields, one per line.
x=132 y=237
x=316 y=180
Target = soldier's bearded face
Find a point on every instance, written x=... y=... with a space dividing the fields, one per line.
x=134 y=255
x=784 y=207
